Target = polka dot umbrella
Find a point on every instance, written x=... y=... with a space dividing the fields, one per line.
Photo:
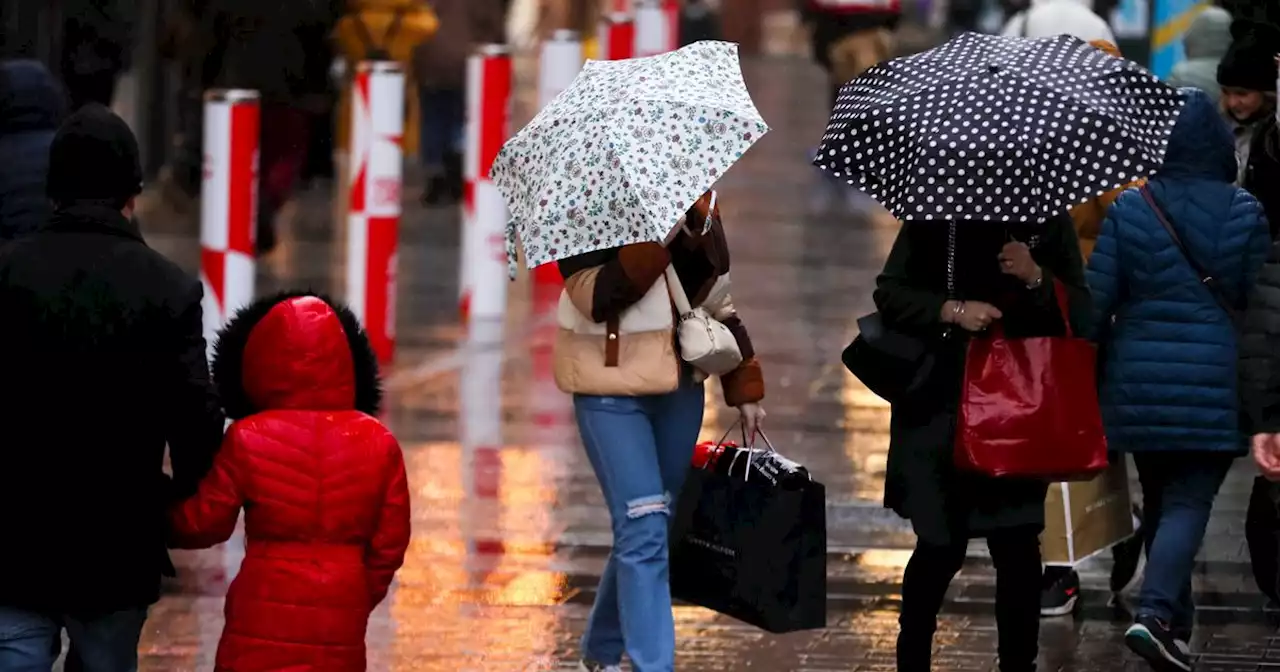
x=998 y=128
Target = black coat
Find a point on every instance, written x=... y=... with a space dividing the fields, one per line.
x=1262 y=175
x=103 y=363
x=946 y=507
x=1260 y=349
x=31 y=107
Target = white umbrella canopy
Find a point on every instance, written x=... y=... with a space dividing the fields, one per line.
x=622 y=153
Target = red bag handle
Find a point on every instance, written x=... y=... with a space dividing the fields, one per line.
x=1064 y=307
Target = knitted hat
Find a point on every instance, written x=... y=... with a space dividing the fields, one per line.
x=1250 y=63
x=94 y=157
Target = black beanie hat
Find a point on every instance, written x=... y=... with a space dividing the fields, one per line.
x=1250 y=62
x=94 y=157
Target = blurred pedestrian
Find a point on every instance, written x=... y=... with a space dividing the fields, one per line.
x=847 y=37
x=1171 y=269
x=1260 y=367
x=97 y=48
x=32 y=104
x=639 y=416
x=1046 y=18
x=262 y=47
x=1247 y=74
x=104 y=364
x=189 y=42
x=322 y=484
x=943 y=289
x=1205 y=43
x=1061 y=591
x=440 y=71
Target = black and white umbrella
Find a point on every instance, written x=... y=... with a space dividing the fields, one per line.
x=998 y=128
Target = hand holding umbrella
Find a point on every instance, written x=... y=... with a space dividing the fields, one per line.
x=1015 y=259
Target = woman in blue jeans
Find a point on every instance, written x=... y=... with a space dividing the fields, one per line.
x=1168 y=389
x=639 y=410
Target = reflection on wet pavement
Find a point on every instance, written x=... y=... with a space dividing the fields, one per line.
x=510 y=531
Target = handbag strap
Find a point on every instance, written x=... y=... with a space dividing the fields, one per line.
x=1205 y=278
x=676 y=289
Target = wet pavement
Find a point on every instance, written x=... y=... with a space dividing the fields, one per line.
x=509 y=527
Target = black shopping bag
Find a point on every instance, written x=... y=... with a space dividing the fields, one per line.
x=1262 y=534
x=749 y=540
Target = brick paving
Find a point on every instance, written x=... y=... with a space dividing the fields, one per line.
x=508 y=541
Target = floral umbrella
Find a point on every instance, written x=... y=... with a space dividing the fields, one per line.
x=622 y=153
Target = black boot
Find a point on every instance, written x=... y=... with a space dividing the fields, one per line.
x=436 y=191
x=453 y=176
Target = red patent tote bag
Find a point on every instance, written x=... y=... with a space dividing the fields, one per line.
x=1029 y=407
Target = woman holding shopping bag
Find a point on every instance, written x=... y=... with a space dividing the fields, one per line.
x=613 y=182
x=983 y=294
x=639 y=410
x=1171 y=269
x=996 y=274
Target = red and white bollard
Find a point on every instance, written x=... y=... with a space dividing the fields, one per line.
x=373 y=214
x=656 y=31
x=560 y=62
x=617 y=39
x=228 y=205
x=484 y=217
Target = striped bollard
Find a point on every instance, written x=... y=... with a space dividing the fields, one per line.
x=373 y=211
x=228 y=205
x=484 y=218
x=617 y=37
x=654 y=33
x=559 y=63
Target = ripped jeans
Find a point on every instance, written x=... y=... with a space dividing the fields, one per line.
x=640 y=449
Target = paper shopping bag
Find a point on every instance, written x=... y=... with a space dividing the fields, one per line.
x=749 y=540
x=1083 y=518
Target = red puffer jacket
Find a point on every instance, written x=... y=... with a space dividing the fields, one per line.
x=321 y=481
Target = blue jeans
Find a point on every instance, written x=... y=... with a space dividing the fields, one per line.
x=443 y=113
x=640 y=449
x=30 y=642
x=1178 y=489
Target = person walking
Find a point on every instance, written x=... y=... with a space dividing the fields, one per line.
x=439 y=69
x=322 y=484
x=1247 y=75
x=639 y=411
x=1207 y=40
x=1061 y=590
x=847 y=37
x=97 y=48
x=1046 y=18
x=1173 y=263
x=263 y=47
x=996 y=272
x=31 y=108
x=104 y=365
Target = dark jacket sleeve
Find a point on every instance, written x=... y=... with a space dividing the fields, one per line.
x=899 y=302
x=1260 y=349
x=1061 y=262
x=625 y=275
x=193 y=419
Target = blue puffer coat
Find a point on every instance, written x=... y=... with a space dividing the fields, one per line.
x=31 y=107
x=1169 y=371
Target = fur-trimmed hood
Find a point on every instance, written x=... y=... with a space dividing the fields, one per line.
x=296 y=351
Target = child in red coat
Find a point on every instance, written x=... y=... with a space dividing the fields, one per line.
x=321 y=481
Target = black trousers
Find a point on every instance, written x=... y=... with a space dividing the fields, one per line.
x=1016 y=555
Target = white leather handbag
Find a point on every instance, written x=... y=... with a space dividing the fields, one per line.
x=705 y=343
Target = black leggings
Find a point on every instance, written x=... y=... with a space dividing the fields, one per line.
x=1016 y=555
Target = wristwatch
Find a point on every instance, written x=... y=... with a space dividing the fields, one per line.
x=1038 y=281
